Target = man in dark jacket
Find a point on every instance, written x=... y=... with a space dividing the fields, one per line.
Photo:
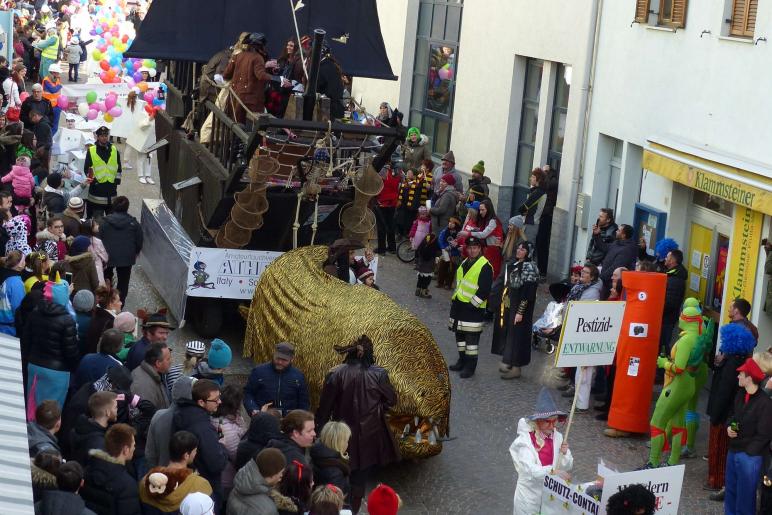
x=278 y=383
x=195 y=416
x=122 y=236
x=297 y=436
x=160 y=430
x=41 y=433
x=103 y=164
x=331 y=83
x=603 y=235
x=622 y=253
x=263 y=428
x=674 y=297
x=41 y=129
x=109 y=489
x=359 y=393
x=155 y=329
x=89 y=432
x=65 y=500
x=36 y=102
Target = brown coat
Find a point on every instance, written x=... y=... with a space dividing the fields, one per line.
x=360 y=396
x=248 y=77
x=84 y=274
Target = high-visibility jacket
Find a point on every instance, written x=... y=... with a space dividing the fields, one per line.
x=104 y=172
x=51 y=97
x=466 y=284
x=51 y=51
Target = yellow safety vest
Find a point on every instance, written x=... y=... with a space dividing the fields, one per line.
x=466 y=284
x=51 y=52
x=104 y=172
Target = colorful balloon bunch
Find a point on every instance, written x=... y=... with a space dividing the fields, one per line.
x=154 y=98
x=92 y=107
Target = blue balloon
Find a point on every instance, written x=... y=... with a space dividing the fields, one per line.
x=157 y=101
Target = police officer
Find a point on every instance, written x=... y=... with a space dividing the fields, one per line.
x=467 y=310
x=103 y=163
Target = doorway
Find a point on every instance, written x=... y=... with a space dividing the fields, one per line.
x=706 y=257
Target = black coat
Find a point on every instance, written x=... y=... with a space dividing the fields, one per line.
x=109 y=489
x=330 y=467
x=360 y=396
x=754 y=423
x=600 y=243
x=620 y=253
x=57 y=502
x=289 y=448
x=122 y=237
x=85 y=436
x=505 y=333
x=212 y=457
x=466 y=311
x=101 y=321
x=43 y=106
x=331 y=84
x=724 y=388
x=674 y=294
x=262 y=429
x=51 y=338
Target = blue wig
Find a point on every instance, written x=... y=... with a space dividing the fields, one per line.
x=664 y=246
x=736 y=339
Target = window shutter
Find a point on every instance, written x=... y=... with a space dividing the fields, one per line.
x=678 y=18
x=743 y=18
x=750 y=20
x=642 y=11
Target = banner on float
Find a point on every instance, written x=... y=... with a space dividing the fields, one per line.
x=559 y=497
x=665 y=483
x=6 y=34
x=590 y=333
x=226 y=273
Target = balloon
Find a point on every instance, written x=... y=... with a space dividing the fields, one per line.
x=63 y=102
x=103 y=77
x=115 y=112
x=104 y=65
x=83 y=109
x=98 y=30
x=110 y=101
x=130 y=82
x=91 y=115
x=91 y=97
x=149 y=97
x=108 y=118
x=101 y=107
x=157 y=101
x=97 y=55
x=23 y=96
x=142 y=86
x=125 y=38
x=148 y=109
x=137 y=77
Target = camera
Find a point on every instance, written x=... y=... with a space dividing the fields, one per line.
x=639 y=330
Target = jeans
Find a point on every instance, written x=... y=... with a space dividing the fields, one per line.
x=742 y=477
x=73 y=72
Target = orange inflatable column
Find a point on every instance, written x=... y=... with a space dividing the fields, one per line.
x=637 y=351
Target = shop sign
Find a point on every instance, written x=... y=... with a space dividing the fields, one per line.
x=590 y=333
x=226 y=273
x=746 y=239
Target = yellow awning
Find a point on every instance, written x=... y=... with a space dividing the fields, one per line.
x=730 y=183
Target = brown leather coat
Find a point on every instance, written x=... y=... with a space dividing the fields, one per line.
x=360 y=396
x=248 y=77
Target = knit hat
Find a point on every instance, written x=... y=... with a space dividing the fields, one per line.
x=479 y=167
x=195 y=348
x=383 y=500
x=546 y=406
x=517 y=221
x=449 y=157
x=752 y=369
x=183 y=388
x=125 y=322
x=197 y=503
x=83 y=301
x=76 y=204
x=79 y=245
x=413 y=130
x=449 y=179
x=270 y=462
x=220 y=354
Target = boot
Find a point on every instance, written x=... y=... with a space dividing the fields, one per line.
x=418 y=292
x=460 y=363
x=425 y=294
x=469 y=367
x=512 y=373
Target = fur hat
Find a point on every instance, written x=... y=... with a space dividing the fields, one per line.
x=125 y=322
x=383 y=500
x=83 y=301
x=479 y=167
x=449 y=179
x=220 y=354
x=195 y=348
x=664 y=246
x=270 y=462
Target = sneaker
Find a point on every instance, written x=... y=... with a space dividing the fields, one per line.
x=127 y=166
x=718 y=496
x=687 y=453
x=503 y=367
x=150 y=180
x=582 y=411
x=143 y=180
x=615 y=433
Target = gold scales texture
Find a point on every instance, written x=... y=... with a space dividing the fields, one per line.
x=297 y=302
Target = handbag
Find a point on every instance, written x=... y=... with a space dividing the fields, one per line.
x=13 y=114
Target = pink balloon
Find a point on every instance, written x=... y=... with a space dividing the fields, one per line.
x=23 y=96
x=63 y=102
x=110 y=102
x=149 y=97
x=115 y=112
x=101 y=107
x=92 y=114
x=130 y=82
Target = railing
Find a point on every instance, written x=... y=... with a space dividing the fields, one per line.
x=228 y=139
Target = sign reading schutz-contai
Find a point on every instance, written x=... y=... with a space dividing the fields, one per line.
x=226 y=273
x=590 y=333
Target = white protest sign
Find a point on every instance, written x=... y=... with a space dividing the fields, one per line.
x=226 y=273
x=560 y=498
x=590 y=333
x=664 y=482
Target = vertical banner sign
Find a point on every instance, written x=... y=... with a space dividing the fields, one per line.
x=665 y=483
x=746 y=238
x=590 y=333
x=6 y=34
x=226 y=273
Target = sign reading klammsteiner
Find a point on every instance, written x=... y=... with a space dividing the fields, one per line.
x=590 y=333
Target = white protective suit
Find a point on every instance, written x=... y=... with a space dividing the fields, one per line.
x=530 y=471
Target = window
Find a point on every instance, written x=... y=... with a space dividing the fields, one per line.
x=526 y=144
x=743 y=22
x=672 y=13
x=559 y=113
x=434 y=71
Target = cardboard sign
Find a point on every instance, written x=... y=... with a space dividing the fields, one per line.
x=226 y=273
x=560 y=498
x=590 y=333
x=665 y=483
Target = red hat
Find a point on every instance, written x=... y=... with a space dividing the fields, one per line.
x=449 y=179
x=752 y=369
x=383 y=500
x=364 y=273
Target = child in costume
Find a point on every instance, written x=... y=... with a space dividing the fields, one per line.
x=422 y=226
x=23 y=184
x=537 y=451
x=451 y=253
x=426 y=254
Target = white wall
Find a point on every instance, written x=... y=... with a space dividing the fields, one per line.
x=398 y=20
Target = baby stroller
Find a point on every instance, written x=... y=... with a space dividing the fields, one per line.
x=546 y=330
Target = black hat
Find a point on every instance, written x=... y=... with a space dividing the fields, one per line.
x=474 y=241
x=102 y=131
x=256 y=39
x=156 y=320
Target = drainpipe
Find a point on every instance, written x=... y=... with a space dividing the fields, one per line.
x=309 y=97
x=576 y=179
